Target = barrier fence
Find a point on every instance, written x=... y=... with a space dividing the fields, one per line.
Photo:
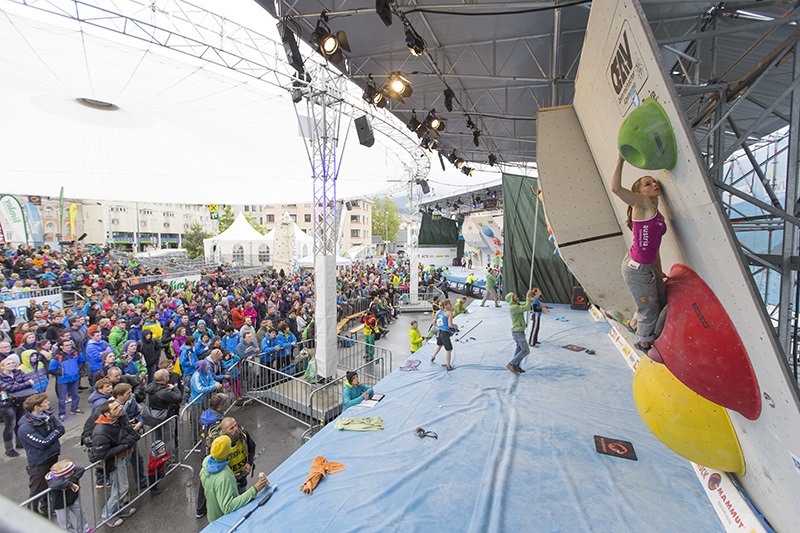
x=105 y=496
x=312 y=403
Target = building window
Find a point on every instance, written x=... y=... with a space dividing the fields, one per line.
x=293 y=217
x=238 y=253
x=115 y=222
x=355 y=219
x=48 y=212
x=49 y=227
x=143 y=223
x=355 y=233
x=166 y=224
x=270 y=218
x=247 y=209
x=307 y=217
x=187 y=216
x=145 y=211
x=263 y=254
x=169 y=214
x=186 y=226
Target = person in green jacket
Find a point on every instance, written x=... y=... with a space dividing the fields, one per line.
x=491 y=283
x=118 y=336
x=219 y=483
x=517 y=311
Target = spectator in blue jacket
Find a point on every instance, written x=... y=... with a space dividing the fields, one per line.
x=188 y=361
x=286 y=343
x=354 y=392
x=65 y=365
x=204 y=381
x=269 y=347
x=231 y=339
x=95 y=348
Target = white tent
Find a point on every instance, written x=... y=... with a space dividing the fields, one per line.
x=240 y=244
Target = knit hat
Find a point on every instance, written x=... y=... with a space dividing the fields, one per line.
x=221 y=448
x=63 y=469
x=158 y=448
x=350 y=375
x=92 y=329
x=12 y=357
x=125 y=346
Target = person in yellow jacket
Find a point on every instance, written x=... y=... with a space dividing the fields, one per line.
x=415 y=336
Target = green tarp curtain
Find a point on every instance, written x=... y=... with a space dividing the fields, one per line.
x=439 y=232
x=550 y=273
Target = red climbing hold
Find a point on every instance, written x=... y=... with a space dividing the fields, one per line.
x=701 y=347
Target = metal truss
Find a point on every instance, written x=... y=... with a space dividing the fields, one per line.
x=745 y=114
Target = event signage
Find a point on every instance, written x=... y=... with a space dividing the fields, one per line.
x=11 y=211
x=179 y=284
x=19 y=301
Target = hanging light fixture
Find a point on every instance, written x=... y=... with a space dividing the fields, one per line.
x=492 y=160
x=415 y=43
x=449 y=95
x=398 y=86
x=372 y=95
x=468 y=171
x=329 y=44
x=413 y=123
x=434 y=122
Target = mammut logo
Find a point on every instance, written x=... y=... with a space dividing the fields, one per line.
x=622 y=64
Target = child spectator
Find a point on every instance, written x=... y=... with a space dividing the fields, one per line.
x=157 y=465
x=64 y=478
x=229 y=361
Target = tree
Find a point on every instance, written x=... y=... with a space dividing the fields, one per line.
x=193 y=240
x=227 y=217
x=385 y=221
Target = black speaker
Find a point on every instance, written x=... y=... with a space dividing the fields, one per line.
x=425 y=188
x=348 y=205
x=364 y=129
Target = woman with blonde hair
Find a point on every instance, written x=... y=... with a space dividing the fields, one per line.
x=641 y=267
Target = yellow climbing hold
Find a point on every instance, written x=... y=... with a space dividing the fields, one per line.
x=684 y=421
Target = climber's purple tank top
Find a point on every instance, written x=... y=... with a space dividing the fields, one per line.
x=647 y=238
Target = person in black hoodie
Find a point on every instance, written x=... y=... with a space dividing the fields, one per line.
x=113 y=440
x=151 y=350
x=64 y=480
x=38 y=432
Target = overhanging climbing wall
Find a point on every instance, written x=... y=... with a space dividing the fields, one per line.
x=620 y=67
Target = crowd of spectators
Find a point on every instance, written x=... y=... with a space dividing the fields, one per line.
x=144 y=349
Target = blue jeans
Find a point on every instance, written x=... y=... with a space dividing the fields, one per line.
x=649 y=293
x=522 y=350
x=62 y=389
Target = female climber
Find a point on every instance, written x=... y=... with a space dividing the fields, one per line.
x=641 y=267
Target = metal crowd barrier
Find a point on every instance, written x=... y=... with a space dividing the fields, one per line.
x=130 y=477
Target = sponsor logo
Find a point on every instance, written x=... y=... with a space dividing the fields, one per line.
x=626 y=71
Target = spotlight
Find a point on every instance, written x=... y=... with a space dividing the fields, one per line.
x=494 y=195
x=329 y=44
x=384 y=11
x=413 y=123
x=492 y=160
x=458 y=163
x=449 y=95
x=468 y=171
x=428 y=142
x=372 y=95
x=398 y=86
x=476 y=137
x=434 y=122
x=452 y=156
x=415 y=43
